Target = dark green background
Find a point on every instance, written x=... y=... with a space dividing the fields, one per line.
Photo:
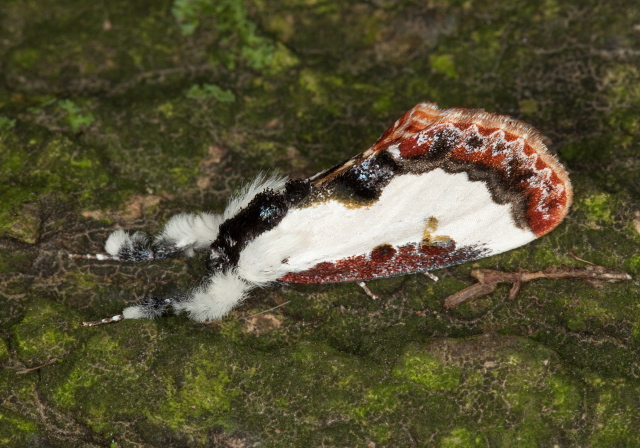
x=118 y=114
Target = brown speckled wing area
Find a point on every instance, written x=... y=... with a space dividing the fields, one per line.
x=505 y=153
x=417 y=119
x=386 y=261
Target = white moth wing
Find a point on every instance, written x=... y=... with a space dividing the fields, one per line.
x=408 y=207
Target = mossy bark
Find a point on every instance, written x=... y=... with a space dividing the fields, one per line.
x=120 y=114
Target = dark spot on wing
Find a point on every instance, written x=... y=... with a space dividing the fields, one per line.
x=363 y=183
x=382 y=253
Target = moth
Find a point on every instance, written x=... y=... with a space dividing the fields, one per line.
x=440 y=187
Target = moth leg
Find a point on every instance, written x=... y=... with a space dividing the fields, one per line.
x=183 y=233
x=148 y=308
x=121 y=246
x=107 y=320
x=213 y=299
x=430 y=275
x=367 y=291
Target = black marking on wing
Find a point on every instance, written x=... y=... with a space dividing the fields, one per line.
x=365 y=181
x=263 y=213
x=360 y=184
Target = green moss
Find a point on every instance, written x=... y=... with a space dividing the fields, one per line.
x=419 y=366
x=166 y=109
x=514 y=386
x=577 y=323
x=47 y=331
x=281 y=25
x=622 y=89
x=462 y=437
x=76 y=116
x=204 y=91
x=308 y=383
x=443 y=64
x=633 y=264
x=529 y=107
x=105 y=375
x=237 y=33
x=599 y=209
x=616 y=410
x=566 y=398
x=181 y=175
x=117 y=376
x=117 y=104
x=16 y=430
x=26 y=57
x=17 y=219
x=6 y=123
x=201 y=393
x=4 y=351
x=281 y=60
x=381 y=399
x=309 y=81
x=45 y=169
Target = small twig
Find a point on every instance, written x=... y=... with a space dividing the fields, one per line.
x=266 y=311
x=580 y=259
x=488 y=280
x=23 y=371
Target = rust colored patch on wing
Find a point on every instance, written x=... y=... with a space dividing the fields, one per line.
x=386 y=261
x=488 y=147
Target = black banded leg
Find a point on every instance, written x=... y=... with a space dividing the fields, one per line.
x=133 y=248
x=106 y=320
x=129 y=248
x=183 y=233
x=124 y=247
x=148 y=308
x=187 y=232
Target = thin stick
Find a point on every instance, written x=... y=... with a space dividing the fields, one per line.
x=266 y=311
x=580 y=259
x=23 y=371
x=488 y=280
